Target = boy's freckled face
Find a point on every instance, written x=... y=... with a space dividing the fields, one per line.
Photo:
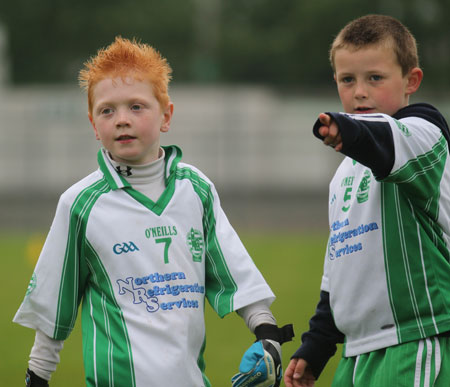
x=128 y=119
x=370 y=80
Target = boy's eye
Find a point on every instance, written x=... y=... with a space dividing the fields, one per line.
x=375 y=77
x=106 y=111
x=346 y=79
x=136 y=107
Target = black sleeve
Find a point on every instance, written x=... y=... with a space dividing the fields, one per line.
x=319 y=343
x=367 y=141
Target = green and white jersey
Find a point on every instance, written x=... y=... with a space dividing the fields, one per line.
x=387 y=265
x=142 y=270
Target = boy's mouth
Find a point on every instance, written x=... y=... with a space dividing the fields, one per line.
x=125 y=137
x=364 y=109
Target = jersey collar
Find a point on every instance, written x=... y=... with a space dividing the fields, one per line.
x=116 y=181
x=172 y=158
x=113 y=178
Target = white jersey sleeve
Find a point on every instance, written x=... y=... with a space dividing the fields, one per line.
x=41 y=308
x=234 y=281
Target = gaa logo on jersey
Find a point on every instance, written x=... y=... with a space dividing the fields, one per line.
x=196 y=244
x=124 y=247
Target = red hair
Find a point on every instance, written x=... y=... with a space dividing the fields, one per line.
x=127 y=58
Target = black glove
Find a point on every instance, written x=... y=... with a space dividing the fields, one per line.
x=32 y=380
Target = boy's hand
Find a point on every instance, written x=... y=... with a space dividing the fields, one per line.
x=330 y=131
x=32 y=380
x=298 y=374
x=260 y=366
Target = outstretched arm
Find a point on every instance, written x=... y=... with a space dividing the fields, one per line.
x=364 y=138
x=330 y=132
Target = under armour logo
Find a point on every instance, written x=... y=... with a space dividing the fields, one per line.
x=124 y=171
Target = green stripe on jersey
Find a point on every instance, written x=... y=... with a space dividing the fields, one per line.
x=156 y=207
x=108 y=359
x=220 y=285
x=416 y=275
x=172 y=158
x=201 y=364
x=114 y=179
x=74 y=271
x=424 y=173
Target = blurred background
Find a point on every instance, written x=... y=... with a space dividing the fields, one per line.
x=249 y=78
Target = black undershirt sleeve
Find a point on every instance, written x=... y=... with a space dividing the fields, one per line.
x=368 y=142
x=319 y=343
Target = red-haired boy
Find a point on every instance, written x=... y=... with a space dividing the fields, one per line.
x=141 y=242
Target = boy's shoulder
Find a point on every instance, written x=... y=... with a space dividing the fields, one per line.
x=189 y=169
x=71 y=193
x=418 y=108
x=182 y=169
x=188 y=172
x=427 y=112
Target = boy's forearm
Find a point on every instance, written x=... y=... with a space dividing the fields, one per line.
x=257 y=314
x=369 y=142
x=44 y=356
x=319 y=343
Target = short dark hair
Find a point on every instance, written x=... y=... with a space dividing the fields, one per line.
x=375 y=29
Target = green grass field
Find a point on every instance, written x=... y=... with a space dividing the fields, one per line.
x=291 y=263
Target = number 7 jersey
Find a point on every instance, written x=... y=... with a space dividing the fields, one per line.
x=142 y=270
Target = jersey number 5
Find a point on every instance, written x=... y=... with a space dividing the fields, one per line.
x=347 y=196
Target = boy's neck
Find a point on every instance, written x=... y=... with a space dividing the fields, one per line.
x=146 y=171
x=148 y=178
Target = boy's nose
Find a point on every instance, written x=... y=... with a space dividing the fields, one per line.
x=360 y=90
x=122 y=119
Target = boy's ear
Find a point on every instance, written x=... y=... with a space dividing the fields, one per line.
x=93 y=125
x=414 y=79
x=167 y=117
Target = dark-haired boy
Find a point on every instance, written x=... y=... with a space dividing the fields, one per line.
x=385 y=290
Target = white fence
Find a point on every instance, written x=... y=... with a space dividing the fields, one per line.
x=256 y=145
x=242 y=138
